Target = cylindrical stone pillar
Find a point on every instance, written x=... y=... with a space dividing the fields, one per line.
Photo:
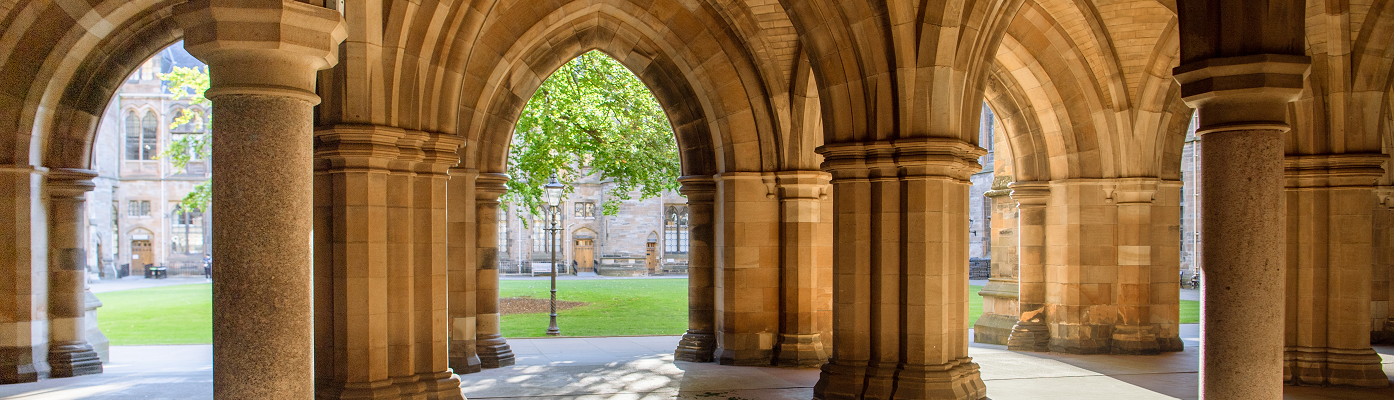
x=699 y=343
x=263 y=94
x=1241 y=103
x=69 y=354
x=1242 y=219
x=1031 y=332
x=494 y=351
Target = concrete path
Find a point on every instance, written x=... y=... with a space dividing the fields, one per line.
x=139 y=282
x=643 y=368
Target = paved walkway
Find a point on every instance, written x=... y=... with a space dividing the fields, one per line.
x=643 y=368
x=139 y=282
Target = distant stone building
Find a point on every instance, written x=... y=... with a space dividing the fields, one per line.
x=134 y=215
x=644 y=236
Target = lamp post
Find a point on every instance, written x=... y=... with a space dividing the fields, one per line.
x=552 y=191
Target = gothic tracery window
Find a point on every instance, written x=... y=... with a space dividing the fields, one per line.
x=675 y=229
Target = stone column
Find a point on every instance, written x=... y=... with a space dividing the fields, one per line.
x=493 y=349
x=844 y=376
x=747 y=268
x=699 y=343
x=1382 y=286
x=351 y=290
x=1330 y=246
x=69 y=354
x=431 y=284
x=1000 y=307
x=400 y=263
x=1132 y=331
x=802 y=252
x=900 y=259
x=22 y=280
x=460 y=226
x=1242 y=107
x=263 y=92
x=1031 y=333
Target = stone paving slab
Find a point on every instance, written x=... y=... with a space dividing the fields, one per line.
x=642 y=368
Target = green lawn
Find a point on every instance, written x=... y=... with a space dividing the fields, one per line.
x=1190 y=312
x=617 y=307
x=181 y=314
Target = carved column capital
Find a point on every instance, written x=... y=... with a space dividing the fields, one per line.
x=1244 y=92
x=698 y=189
x=357 y=147
x=809 y=185
x=70 y=183
x=1029 y=194
x=489 y=186
x=262 y=47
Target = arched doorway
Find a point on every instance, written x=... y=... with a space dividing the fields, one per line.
x=583 y=250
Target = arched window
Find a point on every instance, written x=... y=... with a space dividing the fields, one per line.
x=539 y=234
x=503 y=232
x=132 y=136
x=194 y=126
x=142 y=137
x=186 y=231
x=675 y=235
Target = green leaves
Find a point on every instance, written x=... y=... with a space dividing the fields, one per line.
x=593 y=117
x=190 y=83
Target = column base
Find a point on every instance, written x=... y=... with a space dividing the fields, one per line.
x=1081 y=339
x=69 y=359
x=1328 y=366
x=957 y=380
x=383 y=389
x=803 y=351
x=696 y=346
x=880 y=381
x=994 y=328
x=1134 y=340
x=409 y=387
x=494 y=352
x=1383 y=333
x=466 y=365
x=1029 y=336
x=442 y=386
x=745 y=358
x=464 y=358
x=1170 y=344
x=840 y=381
x=13 y=365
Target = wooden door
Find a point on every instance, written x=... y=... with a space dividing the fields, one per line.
x=141 y=254
x=585 y=255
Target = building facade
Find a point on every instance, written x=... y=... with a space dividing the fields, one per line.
x=134 y=213
x=648 y=236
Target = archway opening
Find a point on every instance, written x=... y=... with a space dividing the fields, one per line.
x=595 y=129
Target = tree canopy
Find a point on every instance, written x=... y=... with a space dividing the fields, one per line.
x=592 y=116
x=189 y=83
